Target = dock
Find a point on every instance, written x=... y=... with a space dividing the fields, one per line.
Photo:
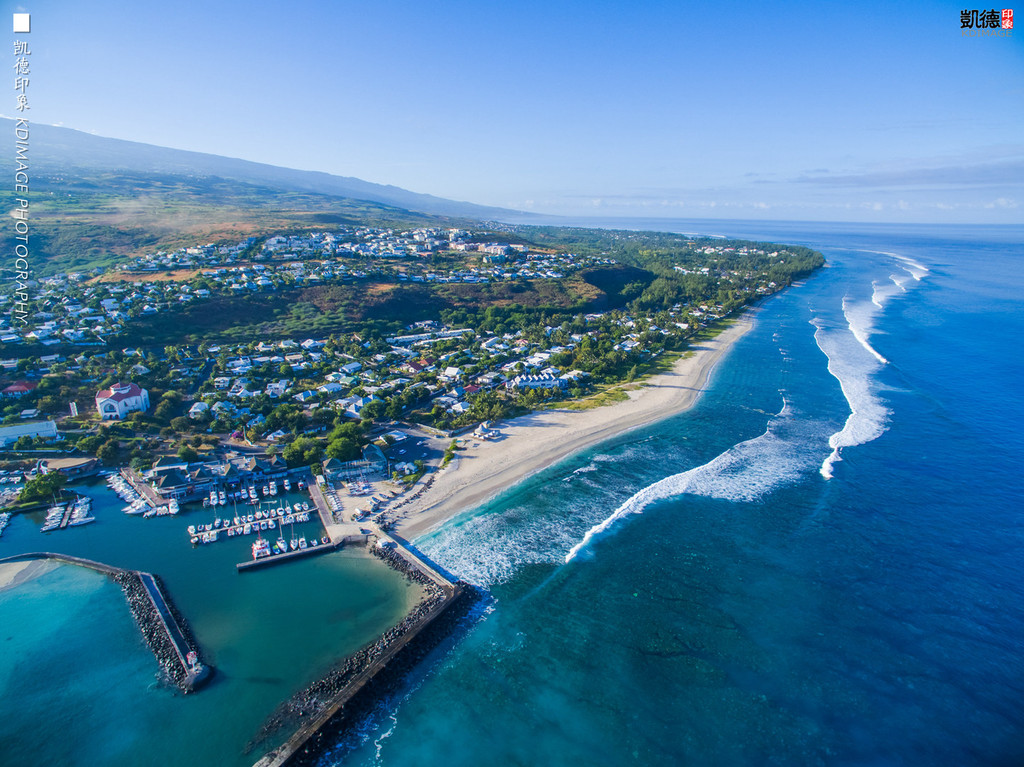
x=326 y=515
x=273 y=559
x=67 y=516
x=142 y=488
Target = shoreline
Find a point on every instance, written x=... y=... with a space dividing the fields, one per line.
x=533 y=442
x=13 y=574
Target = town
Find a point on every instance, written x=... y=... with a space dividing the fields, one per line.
x=75 y=396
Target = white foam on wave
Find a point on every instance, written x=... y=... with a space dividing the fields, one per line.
x=582 y=470
x=883 y=291
x=868 y=416
x=901 y=284
x=745 y=472
x=860 y=320
x=916 y=270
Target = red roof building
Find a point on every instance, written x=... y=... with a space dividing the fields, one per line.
x=19 y=389
x=121 y=399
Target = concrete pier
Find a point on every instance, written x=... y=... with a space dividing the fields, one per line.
x=273 y=559
x=195 y=673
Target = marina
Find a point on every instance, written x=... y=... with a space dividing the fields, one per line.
x=270 y=634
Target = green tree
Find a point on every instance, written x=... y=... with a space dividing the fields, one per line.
x=188 y=454
x=342 y=448
x=42 y=486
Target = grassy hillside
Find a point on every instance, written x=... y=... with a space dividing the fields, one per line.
x=100 y=220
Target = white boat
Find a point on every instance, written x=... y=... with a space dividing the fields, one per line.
x=213 y=498
x=260 y=549
x=173 y=506
x=287 y=485
x=222 y=498
x=302 y=542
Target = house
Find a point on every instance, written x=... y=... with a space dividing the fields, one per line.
x=121 y=399
x=331 y=388
x=19 y=389
x=198 y=409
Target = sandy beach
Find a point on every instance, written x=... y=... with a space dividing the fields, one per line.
x=13 y=574
x=533 y=442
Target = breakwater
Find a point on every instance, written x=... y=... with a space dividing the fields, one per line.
x=327 y=708
x=165 y=630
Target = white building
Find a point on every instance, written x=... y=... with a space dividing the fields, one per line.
x=121 y=399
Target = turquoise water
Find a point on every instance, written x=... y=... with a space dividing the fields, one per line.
x=80 y=687
x=819 y=564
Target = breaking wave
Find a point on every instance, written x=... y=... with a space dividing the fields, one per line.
x=745 y=472
x=868 y=416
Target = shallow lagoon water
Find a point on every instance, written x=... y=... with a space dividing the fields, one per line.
x=81 y=686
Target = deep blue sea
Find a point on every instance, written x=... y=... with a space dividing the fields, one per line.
x=822 y=563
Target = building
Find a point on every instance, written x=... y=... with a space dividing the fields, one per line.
x=10 y=434
x=121 y=399
x=19 y=389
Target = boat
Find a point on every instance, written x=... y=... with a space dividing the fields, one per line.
x=222 y=498
x=287 y=485
x=282 y=544
x=213 y=498
x=273 y=489
x=173 y=506
x=260 y=549
x=247 y=529
x=302 y=542
x=54 y=516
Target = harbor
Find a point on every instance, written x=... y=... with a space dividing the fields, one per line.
x=272 y=630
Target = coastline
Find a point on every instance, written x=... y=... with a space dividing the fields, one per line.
x=532 y=442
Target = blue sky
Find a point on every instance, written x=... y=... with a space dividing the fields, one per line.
x=862 y=111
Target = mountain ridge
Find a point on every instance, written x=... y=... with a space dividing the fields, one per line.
x=57 y=150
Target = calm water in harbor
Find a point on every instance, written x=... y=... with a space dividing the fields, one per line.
x=79 y=685
x=820 y=564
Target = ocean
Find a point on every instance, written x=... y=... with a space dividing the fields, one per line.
x=819 y=564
